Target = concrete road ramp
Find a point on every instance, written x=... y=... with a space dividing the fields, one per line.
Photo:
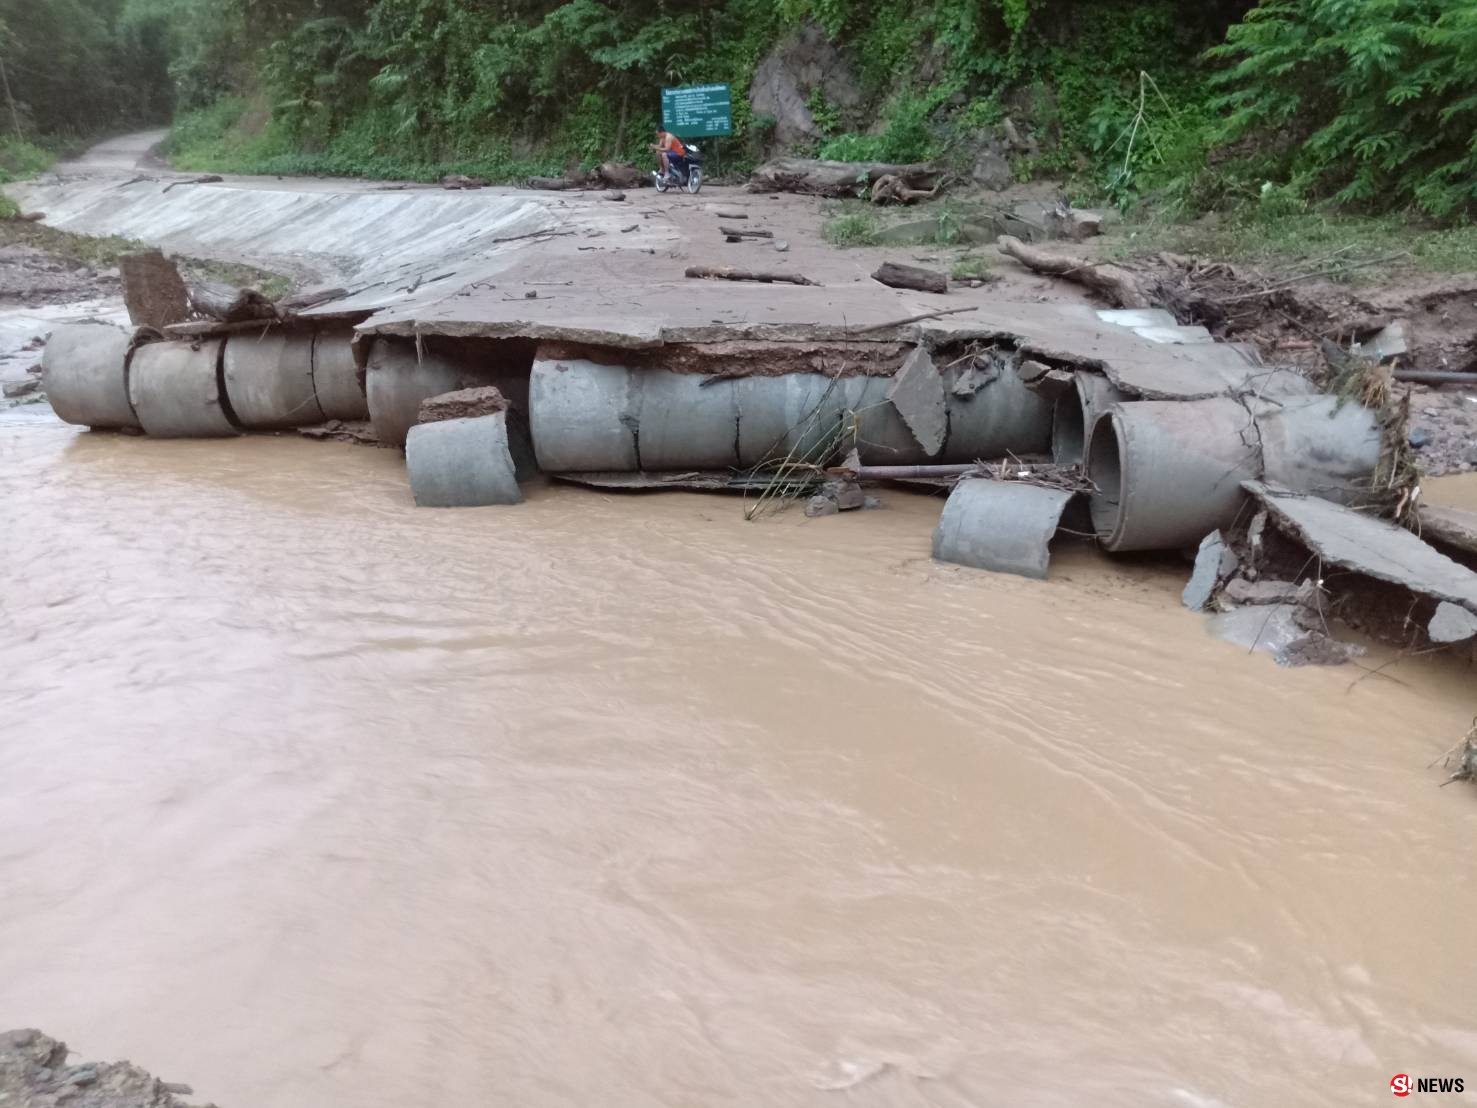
x=1004 y=526
x=463 y=463
x=269 y=379
x=178 y=392
x=85 y=373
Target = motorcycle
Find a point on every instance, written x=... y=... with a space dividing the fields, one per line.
x=689 y=176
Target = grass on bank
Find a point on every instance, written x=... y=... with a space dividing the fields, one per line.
x=1280 y=239
x=103 y=252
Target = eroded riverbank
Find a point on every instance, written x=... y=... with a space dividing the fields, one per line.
x=315 y=799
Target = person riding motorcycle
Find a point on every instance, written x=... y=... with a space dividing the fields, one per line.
x=671 y=151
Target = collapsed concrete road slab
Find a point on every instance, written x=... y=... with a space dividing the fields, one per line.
x=1373 y=547
x=462 y=463
x=269 y=379
x=177 y=390
x=917 y=392
x=1003 y=526
x=85 y=373
x=1450 y=528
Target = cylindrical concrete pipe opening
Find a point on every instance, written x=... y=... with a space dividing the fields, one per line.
x=336 y=380
x=1167 y=473
x=85 y=373
x=1076 y=412
x=269 y=379
x=178 y=392
x=402 y=373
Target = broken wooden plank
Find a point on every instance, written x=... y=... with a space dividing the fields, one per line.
x=914 y=277
x=744 y=233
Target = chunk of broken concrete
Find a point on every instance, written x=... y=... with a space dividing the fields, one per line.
x=462 y=404
x=1346 y=538
x=1451 y=623
x=1004 y=526
x=462 y=463
x=1242 y=591
x=1214 y=563
x=917 y=392
x=15 y=389
x=821 y=505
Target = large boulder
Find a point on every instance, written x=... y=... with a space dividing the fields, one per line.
x=803 y=63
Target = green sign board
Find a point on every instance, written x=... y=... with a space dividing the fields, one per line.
x=698 y=111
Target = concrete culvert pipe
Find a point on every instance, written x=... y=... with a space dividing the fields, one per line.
x=684 y=424
x=177 y=391
x=336 y=380
x=1318 y=444
x=398 y=380
x=269 y=380
x=584 y=415
x=85 y=373
x=463 y=463
x=1076 y=411
x=1168 y=474
x=1000 y=416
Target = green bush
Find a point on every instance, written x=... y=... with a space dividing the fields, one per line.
x=1371 y=102
x=20 y=159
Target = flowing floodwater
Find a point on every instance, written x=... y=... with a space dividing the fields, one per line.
x=313 y=799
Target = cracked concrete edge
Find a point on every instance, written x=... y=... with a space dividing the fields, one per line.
x=1373 y=547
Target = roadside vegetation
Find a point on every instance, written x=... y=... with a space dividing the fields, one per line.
x=1300 y=123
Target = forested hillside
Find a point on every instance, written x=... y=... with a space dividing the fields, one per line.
x=1370 y=103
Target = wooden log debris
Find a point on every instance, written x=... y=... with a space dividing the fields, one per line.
x=740 y=232
x=1116 y=283
x=838 y=179
x=228 y=304
x=911 y=277
x=728 y=273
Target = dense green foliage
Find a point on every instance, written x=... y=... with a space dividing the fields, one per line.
x=1372 y=101
x=1370 y=104
x=81 y=67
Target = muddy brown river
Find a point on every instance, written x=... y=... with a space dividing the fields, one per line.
x=312 y=799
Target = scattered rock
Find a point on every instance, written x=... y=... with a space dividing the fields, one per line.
x=821 y=505
x=16 y=389
x=30 y=1063
x=781 y=245
x=615 y=194
x=1420 y=437
x=992 y=171
x=1451 y=623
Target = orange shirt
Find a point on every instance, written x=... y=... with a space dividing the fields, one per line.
x=673 y=145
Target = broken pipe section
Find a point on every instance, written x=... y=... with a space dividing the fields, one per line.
x=1169 y=473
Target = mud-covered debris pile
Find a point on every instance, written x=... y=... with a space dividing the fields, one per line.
x=34 y=1074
